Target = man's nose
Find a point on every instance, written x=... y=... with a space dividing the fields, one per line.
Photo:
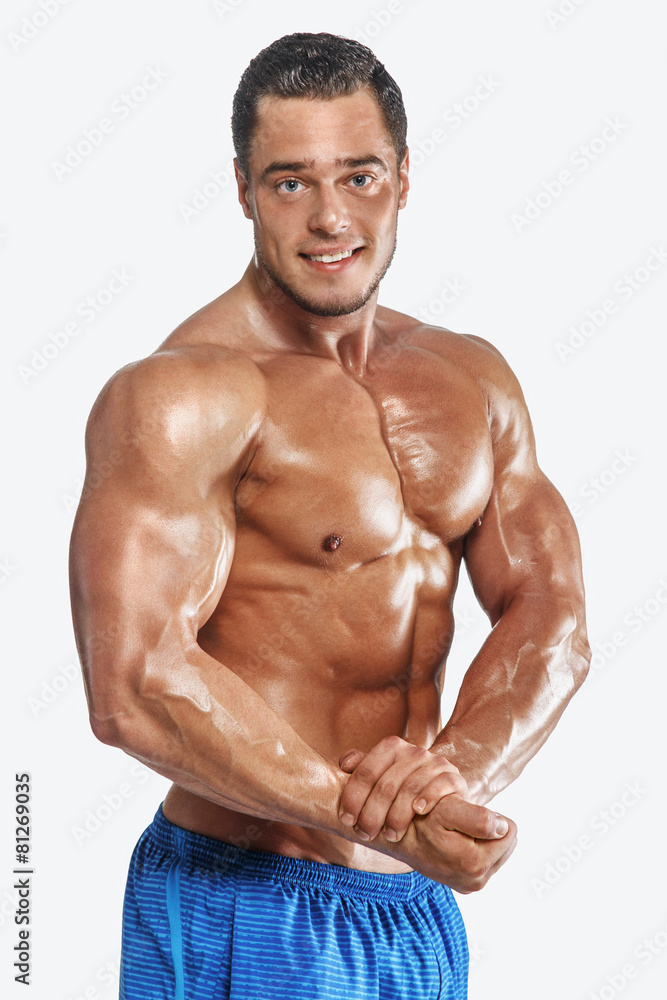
x=329 y=213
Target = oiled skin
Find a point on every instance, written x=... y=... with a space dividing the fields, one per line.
x=349 y=646
x=225 y=646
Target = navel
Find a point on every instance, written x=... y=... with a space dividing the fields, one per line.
x=331 y=543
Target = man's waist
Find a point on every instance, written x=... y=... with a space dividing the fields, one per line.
x=220 y=828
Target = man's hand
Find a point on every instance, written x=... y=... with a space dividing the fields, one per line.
x=434 y=847
x=396 y=781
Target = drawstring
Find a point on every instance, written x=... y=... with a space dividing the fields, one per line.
x=175 y=930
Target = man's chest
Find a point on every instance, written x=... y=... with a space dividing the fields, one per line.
x=350 y=466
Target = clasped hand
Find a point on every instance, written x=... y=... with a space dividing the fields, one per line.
x=398 y=788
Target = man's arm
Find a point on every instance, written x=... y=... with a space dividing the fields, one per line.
x=524 y=563
x=525 y=566
x=151 y=549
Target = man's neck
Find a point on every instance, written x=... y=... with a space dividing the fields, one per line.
x=281 y=321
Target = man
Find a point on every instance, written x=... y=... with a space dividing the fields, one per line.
x=263 y=578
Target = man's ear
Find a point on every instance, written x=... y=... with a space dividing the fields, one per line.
x=404 y=178
x=242 y=185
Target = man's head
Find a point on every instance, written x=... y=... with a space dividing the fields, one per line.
x=315 y=66
x=319 y=130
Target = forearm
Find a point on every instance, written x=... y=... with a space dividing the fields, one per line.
x=200 y=725
x=514 y=693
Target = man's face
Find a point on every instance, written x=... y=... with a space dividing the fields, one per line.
x=324 y=181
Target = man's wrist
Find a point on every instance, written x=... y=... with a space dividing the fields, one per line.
x=461 y=757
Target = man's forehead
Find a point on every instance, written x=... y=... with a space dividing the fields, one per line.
x=272 y=106
x=345 y=128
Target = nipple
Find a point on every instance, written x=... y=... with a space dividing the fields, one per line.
x=331 y=543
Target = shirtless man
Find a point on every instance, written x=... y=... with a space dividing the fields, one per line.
x=263 y=575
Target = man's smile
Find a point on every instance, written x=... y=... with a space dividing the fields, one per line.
x=331 y=257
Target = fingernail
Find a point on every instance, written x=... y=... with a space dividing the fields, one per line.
x=502 y=827
x=363 y=836
x=348 y=756
x=347 y=819
x=420 y=804
x=390 y=834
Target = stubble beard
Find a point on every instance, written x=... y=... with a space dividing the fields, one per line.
x=335 y=307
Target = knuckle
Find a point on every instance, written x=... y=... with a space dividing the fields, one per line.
x=476 y=867
x=387 y=789
x=412 y=786
x=365 y=772
x=478 y=877
x=392 y=742
x=447 y=784
x=475 y=884
x=396 y=819
x=487 y=827
x=367 y=827
x=458 y=783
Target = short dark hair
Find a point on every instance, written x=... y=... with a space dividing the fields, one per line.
x=316 y=66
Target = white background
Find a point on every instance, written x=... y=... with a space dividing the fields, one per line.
x=548 y=925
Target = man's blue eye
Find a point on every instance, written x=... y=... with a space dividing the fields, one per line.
x=360 y=177
x=291 y=185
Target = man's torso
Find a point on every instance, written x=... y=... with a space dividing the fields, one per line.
x=351 y=516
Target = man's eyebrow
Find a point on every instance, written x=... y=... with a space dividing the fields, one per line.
x=362 y=161
x=297 y=167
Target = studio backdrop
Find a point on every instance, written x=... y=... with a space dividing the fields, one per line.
x=537 y=220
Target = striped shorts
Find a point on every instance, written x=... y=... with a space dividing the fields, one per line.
x=205 y=919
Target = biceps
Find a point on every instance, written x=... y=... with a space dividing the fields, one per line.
x=527 y=544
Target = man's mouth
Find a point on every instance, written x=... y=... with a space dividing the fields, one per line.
x=330 y=258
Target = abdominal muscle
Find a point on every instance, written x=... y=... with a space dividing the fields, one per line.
x=363 y=663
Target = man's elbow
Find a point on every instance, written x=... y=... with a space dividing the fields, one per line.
x=120 y=715
x=130 y=715
x=567 y=633
x=111 y=728
x=581 y=661
x=567 y=630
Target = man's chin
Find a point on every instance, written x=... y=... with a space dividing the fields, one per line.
x=327 y=305
x=331 y=308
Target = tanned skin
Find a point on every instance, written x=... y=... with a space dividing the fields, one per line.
x=276 y=510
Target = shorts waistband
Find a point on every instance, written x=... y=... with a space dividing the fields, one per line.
x=220 y=856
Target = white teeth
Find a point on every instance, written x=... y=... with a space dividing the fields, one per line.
x=329 y=258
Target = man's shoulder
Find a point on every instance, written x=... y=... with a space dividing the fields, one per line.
x=186 y=392
x=473 y=355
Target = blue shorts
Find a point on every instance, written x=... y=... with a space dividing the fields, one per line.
x=205 y=919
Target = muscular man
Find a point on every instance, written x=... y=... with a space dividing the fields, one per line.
x=263 y=566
